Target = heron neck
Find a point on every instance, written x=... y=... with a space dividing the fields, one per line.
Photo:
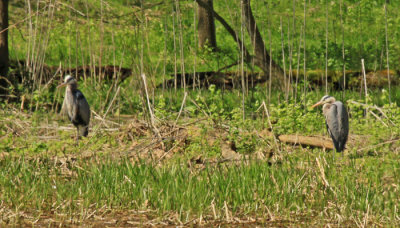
x=326 y=108
x=73 y=87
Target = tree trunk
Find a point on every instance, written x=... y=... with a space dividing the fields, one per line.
x=206 y=25
x=262 y=58
x=3 y=43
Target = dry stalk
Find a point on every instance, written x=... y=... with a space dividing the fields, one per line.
x=285 y=81
x=365 y=78
x=180 y=111
x=379 y=144
x=213 y=209
x=228 y=219
x=304 y=57
x=242 y=60
x=322 y=174
x=152 y=116
x=373 y=107
x=378 y=118
x=343 y=52
x=387 y=49
x=270 y=59
x=112 y=101
x=326 y=49
x=198 y=107
x=270 y=125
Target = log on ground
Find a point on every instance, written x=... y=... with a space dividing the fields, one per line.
x=307 y=141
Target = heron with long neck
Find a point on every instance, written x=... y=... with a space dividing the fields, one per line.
x=76 y=106
x=336 y=119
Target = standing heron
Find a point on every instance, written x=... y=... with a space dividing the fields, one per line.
x=76 y=106
x=336 y=119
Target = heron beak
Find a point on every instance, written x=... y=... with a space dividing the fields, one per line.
x=317 y=104
x=61 y=85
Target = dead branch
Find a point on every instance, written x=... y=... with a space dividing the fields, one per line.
x=306 y=140
x=152 y=116
x=313 y=141
x=373 y=107
x=249 y=59
x=379 y=144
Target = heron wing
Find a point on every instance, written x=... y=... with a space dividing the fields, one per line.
x=343 y=120
x=83 y=109
x=332 y=125
x=337 y=122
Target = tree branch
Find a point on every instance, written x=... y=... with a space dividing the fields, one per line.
x=263 y=61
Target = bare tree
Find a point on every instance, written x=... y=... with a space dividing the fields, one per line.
x=3 y=37
x=261 y=57
x=206 y=25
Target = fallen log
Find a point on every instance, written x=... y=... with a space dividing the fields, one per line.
x=307 y=141
x=313 y=141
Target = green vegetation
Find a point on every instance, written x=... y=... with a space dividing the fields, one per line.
x=42 y=171
x=341 y=192
x=204 y=163
x=86 y=32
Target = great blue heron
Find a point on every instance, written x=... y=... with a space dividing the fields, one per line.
x=336 y=119
x=76 y=106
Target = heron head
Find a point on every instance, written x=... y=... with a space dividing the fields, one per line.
x=68 y=80
x=324 y=100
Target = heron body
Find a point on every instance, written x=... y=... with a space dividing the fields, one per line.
x=337 y=121
x=76 y=106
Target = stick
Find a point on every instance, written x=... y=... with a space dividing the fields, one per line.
x=387 y=50
x=204 y=112
x=112 y=101
x=152 y=118
x=379 y=144
x=180 y=111
x=377 y=117
x=322 y=172
x=374 y=107
x=365 y=78
x=270 y=125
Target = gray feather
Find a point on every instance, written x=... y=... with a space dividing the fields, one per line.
x=337 y=124
x=77 y=109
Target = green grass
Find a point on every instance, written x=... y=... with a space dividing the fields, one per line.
x=42 y=172
x=293 y=189
x=118 y=168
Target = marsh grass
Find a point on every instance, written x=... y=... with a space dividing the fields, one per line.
x=43 y=173
x=294 y=189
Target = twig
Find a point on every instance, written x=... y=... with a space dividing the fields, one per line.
x=194 y=102
x=379 y=144
x=77 y=11
x=377 y=117
x=270 y=125
x=112 y=101
x=322 y=172
x=180 y=111
x=176 y=144
x=23 y=20
x=365 y=78
x=152 y=118
x=374 y=107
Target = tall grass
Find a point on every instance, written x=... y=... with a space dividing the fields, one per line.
x=293 y=189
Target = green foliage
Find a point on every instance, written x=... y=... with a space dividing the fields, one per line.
x=356 y=188
x=293 y=118
x=115 y=33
